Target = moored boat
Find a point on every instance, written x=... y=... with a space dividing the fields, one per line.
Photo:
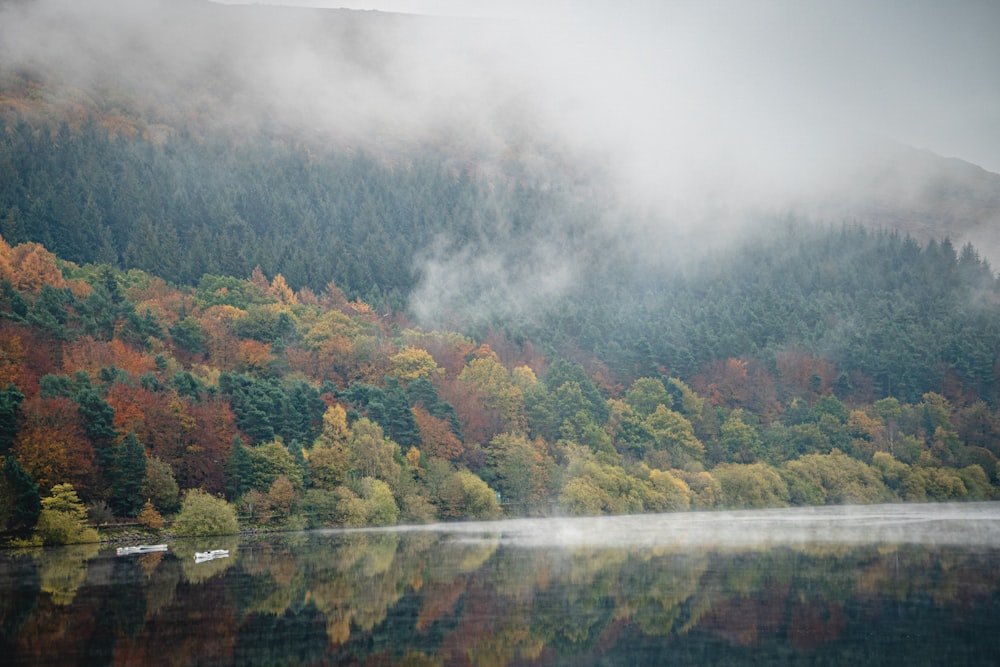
x=140 y=549
x=202 y=556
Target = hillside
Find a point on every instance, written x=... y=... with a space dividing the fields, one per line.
x=291 y=276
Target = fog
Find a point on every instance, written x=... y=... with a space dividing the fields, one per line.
x=964 y=524
x=697 y=116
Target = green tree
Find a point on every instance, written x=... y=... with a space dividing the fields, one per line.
x=160 y=487
x=270 y=460
x=128 y=476
x=239 y=470
x=674 y=436
x=740 y=439
x=371 y=454
x=202 y=514
x=646 y=394
x=24 y=500
x=380 y=505
x=10 y=401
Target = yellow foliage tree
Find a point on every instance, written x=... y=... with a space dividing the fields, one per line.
x=412 y=363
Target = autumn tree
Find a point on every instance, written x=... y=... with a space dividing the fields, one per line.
x=329 y=458
x=523 y=470
x=371 y=454
x=412 y=363
x=63 y=519
x=840 y=479
x=436 y=436
x=485 y=377
x=51 y=444
x=751 y=485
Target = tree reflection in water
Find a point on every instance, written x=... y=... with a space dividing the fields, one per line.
x=512 y=593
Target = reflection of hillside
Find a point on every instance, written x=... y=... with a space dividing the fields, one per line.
x=426 y=597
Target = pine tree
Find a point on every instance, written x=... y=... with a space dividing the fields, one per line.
x=128 y=476
x=10 y=400
x=25 y=500
x=239 y=470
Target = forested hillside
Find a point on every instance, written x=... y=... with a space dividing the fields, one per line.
x=328 y=327
x=309 y=409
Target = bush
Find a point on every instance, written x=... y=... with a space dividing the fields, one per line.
x=99 y=512
x=203 y=514
x=149 y=517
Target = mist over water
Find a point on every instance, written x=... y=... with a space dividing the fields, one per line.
x=936 y=524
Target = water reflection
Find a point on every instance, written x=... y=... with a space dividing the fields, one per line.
x=787 y=587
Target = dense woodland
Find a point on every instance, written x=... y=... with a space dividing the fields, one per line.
x=201 y=312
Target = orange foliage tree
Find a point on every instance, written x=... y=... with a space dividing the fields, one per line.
x=88 y=354
x=801 y=374
x=52 y=446
x=438 y=440
x=28 y=266
x=736 y=383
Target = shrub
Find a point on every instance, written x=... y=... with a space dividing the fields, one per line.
x=149 y=517
x=99 y=512
x=203 y=514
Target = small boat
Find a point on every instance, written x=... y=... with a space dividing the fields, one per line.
x=202 y=556
x=141 y=549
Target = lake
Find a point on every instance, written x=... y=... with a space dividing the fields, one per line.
x=874 y=585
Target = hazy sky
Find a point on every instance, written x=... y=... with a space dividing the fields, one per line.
x=769 y=72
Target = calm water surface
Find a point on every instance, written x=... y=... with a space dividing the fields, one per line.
x=884 y=585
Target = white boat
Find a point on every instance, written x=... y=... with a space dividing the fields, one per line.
x=141 y=549
x=202 y=556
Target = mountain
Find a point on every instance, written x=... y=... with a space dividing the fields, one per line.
x=924 y=195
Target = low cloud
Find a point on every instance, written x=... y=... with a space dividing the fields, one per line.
x=695 y=115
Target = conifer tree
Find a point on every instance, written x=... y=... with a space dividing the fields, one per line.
x=239 y=470
x=26 y=502
x=128 y=476
x=10 y=399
